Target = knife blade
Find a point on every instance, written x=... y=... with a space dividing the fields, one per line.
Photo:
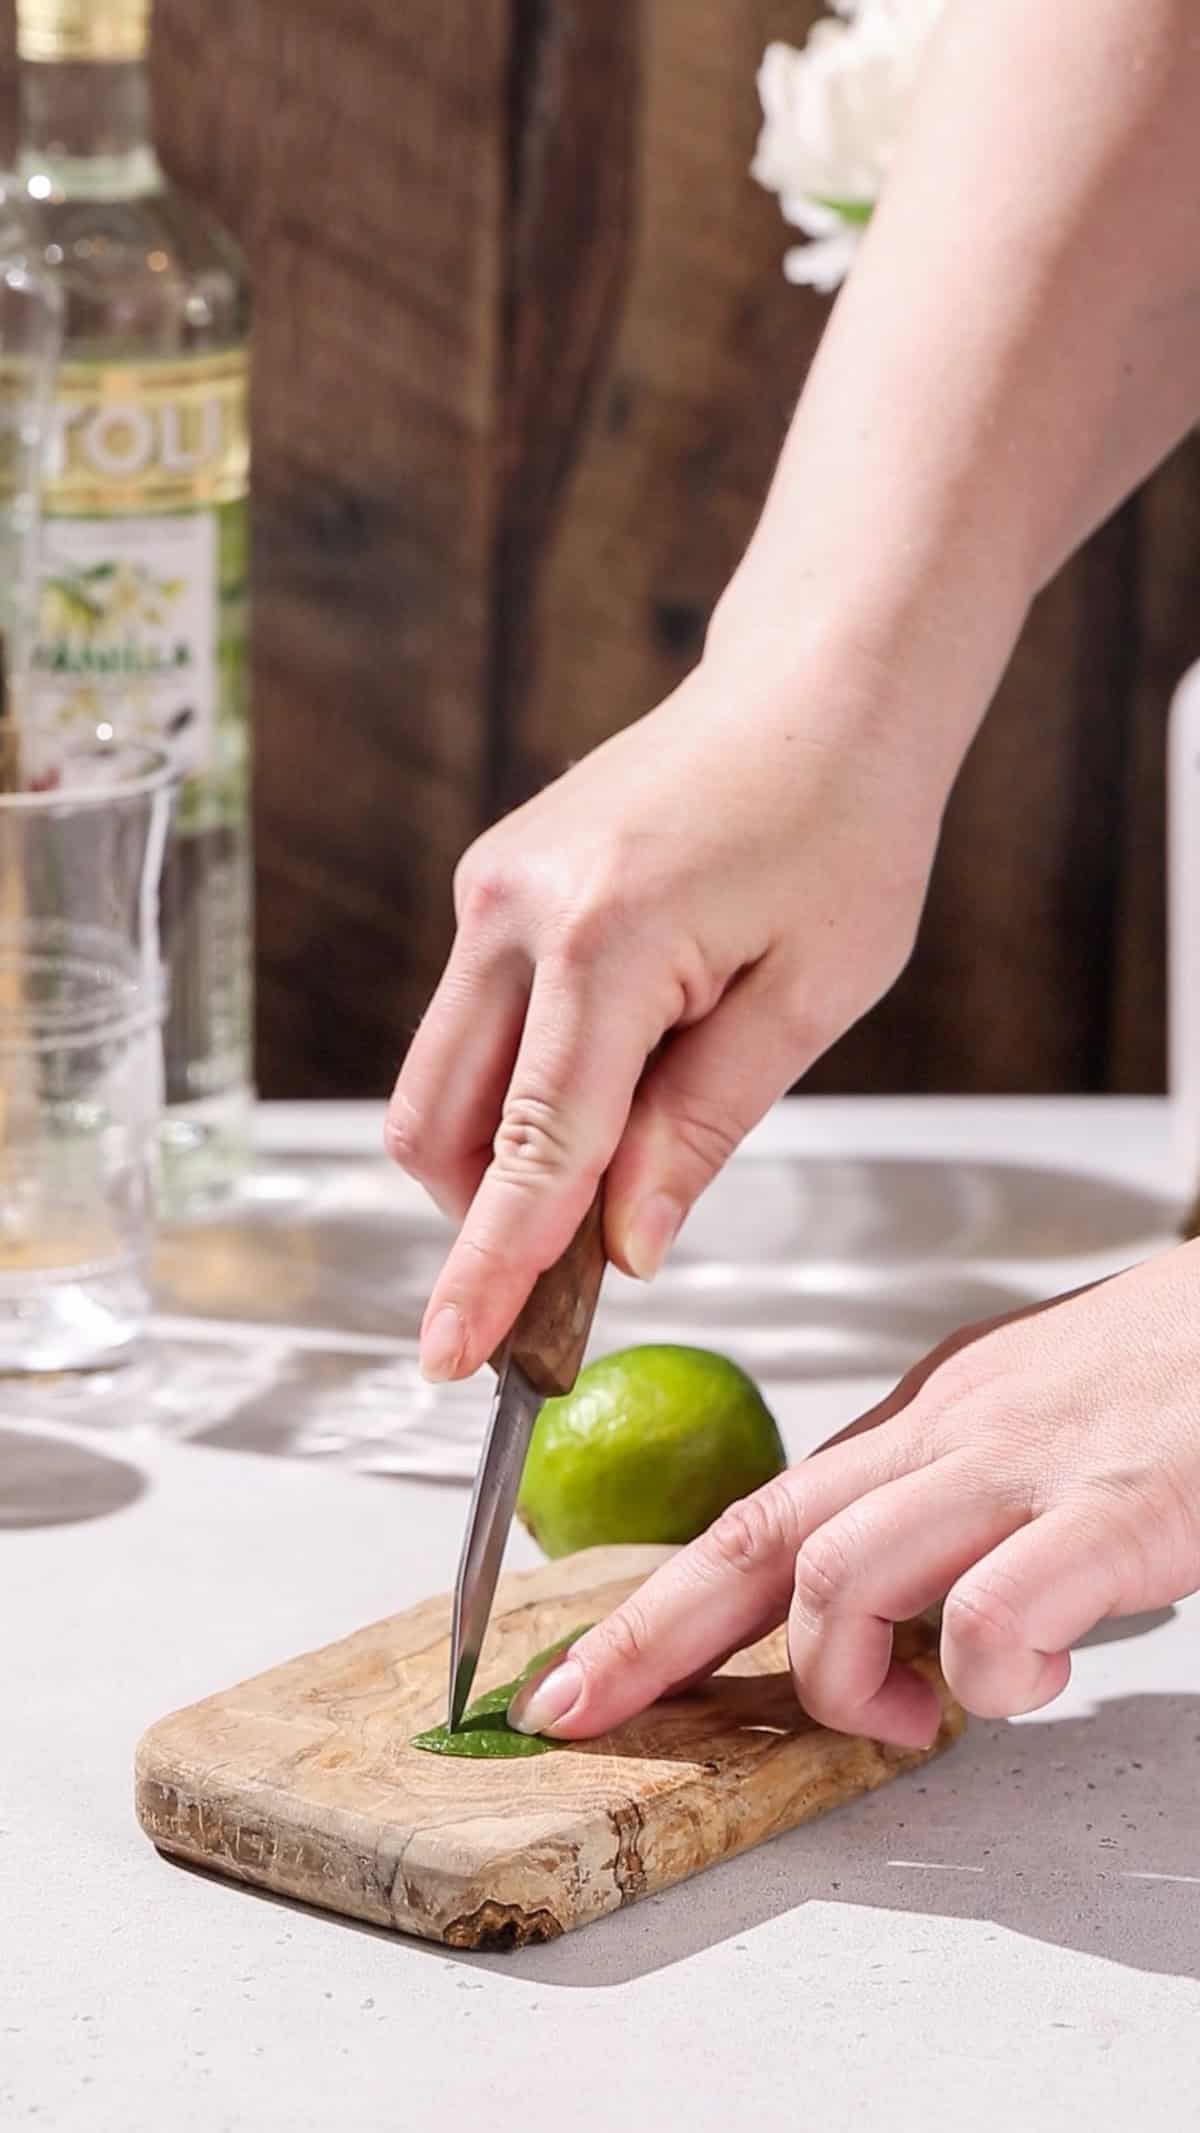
x=539 y=1361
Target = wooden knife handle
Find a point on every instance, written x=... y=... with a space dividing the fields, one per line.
x=552 y=1331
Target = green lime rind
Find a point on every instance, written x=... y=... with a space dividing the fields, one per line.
x=483 y=1730
x=481 y=1743
x=651 y=1446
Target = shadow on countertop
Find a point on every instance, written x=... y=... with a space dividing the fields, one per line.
x=339 y=1245
x=54 y=1481
x=1078 y=1832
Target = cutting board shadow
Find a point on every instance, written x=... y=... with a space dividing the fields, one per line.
x=303 y=1780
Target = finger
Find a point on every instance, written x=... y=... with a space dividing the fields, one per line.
x=710 y=1084
x=698 y=1678
x=566 y=1104
x=883 y=1559
x=1009 y=1622
x=447 y=1099
x=724 y=1591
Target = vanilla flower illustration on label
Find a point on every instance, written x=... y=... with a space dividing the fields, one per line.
x=143 y=539
x=124 y=642
x=833 y=115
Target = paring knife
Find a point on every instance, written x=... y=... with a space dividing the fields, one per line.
x=539 y=1360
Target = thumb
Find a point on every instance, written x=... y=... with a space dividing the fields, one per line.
x=706 y=1088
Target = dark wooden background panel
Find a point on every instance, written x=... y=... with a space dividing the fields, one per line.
x=1168 y=637
x=690 y=409
x=524 y=358
x=1008 y=989
x=1045 y=911
x=359 y=155
x=575 y=111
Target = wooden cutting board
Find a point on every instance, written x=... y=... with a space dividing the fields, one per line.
x=303 y=1781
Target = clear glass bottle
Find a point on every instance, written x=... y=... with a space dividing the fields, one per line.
x=143 y=611
x=30 y=331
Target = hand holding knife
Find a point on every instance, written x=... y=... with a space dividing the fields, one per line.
x=540 y=1360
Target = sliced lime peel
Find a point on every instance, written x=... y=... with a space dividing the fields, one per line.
x=484 y=1730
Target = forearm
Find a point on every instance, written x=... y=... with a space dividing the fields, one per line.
x=1018 y=344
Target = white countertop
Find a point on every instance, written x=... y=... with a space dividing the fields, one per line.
x=1008 y=1938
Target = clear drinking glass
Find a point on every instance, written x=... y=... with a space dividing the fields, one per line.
x=81 y=1065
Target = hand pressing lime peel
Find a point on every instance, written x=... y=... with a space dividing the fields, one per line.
x=484 y=1730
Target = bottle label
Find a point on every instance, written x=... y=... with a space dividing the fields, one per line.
x=141 y=616
x=82 y=29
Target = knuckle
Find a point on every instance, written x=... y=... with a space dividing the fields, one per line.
x=485 y=887
x=405 y=1137
x=1135 y=1525
x=588 y=929
x=622 y=1641
x=449 y=1177
x=533 y=1141
x=706 y=1128
x=600 y=900
x=463 y=876
x=752 y=1531
x=822 y=1574
x=982 y=1619
x=480 y=1258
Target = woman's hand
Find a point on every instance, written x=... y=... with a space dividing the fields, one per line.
x=740 y=874
x=1040 y=1474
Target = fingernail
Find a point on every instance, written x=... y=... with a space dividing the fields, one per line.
x=542 y=1703
x=653 y=1231
x=442 y=1344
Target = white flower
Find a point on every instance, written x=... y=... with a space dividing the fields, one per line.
x=824 y=262
x=833 y=114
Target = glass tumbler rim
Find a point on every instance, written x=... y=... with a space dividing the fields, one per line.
x=155 y=773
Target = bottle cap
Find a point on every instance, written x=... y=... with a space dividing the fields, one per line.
x=83 y=29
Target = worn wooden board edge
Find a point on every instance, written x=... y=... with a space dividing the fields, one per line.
x=613 y=1858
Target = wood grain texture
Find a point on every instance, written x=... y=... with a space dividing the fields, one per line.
x=1040 y=959
x=690 y=407
x=303 y=1781
x=524 y=360
x=574 y=109
x=358 y=153
x=551 y=1334
x=1166 y=640
x=1010 y=986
